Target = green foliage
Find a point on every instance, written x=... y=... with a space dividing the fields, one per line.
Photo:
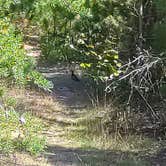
x=56 y=25
x=87 y=32
x=161 y=5
x=14 y=64
x=24 y=6
x=159 y=33
x=159 y=28
x=54 y=15
x=33 y=145
x=95 y=44
x=5 y=7
x=15 y=135
x=14 y=9
x=52 y=49
x=40 y=81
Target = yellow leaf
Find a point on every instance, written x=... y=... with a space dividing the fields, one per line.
x=82 y=65
x=118 y=64
x=85 y=65
x=91 y=46
x=116 y=56
x=4 y=30
x=94 y=53
x=116 y=74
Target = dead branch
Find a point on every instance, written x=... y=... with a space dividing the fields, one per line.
x=139 y=73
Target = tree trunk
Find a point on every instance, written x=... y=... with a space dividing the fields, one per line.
x=141 y=25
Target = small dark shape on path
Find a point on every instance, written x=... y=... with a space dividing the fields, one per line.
x=74 y=77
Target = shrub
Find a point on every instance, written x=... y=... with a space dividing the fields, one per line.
x=87 y=34
x=14 y=64
x=33 y=145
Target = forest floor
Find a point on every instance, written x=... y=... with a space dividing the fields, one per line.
x=60 y=111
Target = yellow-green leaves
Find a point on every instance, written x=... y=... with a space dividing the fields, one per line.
x=116 y=56
x=85 y=65
x=118 y=64
x=4 y=30
x=90 y=46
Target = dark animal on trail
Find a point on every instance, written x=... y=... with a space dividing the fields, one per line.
x=73 y=76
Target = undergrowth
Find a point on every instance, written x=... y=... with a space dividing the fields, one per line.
x=15 y=65
x=19 y=131
x=90 y=133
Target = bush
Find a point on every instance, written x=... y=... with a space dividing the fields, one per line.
x=87 y=34
x=33 y=145
x=52 y=49
x=14 y=64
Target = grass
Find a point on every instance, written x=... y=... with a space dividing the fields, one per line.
x=82 y=130
x=88 y=133
x=132 y=143
x=17 y=136
x=19 y=130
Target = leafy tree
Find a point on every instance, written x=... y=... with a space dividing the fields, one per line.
x=87 y=32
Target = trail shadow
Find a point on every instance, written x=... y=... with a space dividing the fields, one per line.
x=67 y=91
x=160 y=158
x=61 y=156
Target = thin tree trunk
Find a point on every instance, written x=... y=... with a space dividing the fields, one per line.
x=141 y=25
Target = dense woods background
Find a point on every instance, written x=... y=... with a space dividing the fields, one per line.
x=120 y=46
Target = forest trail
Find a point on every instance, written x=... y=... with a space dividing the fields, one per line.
x=59 y=112
x=68 y=92
x=113 y=114
x=68 y=102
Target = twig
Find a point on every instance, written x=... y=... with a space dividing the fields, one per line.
x=139 y=70
x=78 y=157
x=149 y=106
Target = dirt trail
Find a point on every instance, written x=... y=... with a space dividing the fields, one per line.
x=59 y=112
x=70 y=93
x=72 y=97
x=67 y=91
